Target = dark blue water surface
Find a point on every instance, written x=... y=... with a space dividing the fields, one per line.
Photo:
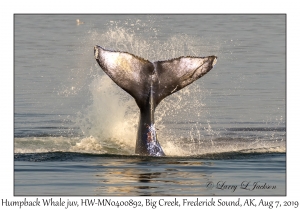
x=214 y=174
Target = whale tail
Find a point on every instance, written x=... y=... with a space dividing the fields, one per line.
x=135 y=75
x=150 y=82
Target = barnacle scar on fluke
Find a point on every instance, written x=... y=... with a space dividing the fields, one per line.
x=149 y=83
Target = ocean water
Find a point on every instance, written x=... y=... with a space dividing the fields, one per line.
x=75 y=130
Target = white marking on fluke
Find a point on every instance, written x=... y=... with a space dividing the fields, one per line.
x=174 y=89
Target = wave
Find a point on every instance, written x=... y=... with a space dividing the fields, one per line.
x=77 y=156
x=66 y=148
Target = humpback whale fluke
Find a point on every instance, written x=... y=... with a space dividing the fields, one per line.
x=149 y=83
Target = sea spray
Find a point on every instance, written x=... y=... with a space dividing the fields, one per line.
x=112 y=116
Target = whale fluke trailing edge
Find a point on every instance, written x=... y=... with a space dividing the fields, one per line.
x=149 y=83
